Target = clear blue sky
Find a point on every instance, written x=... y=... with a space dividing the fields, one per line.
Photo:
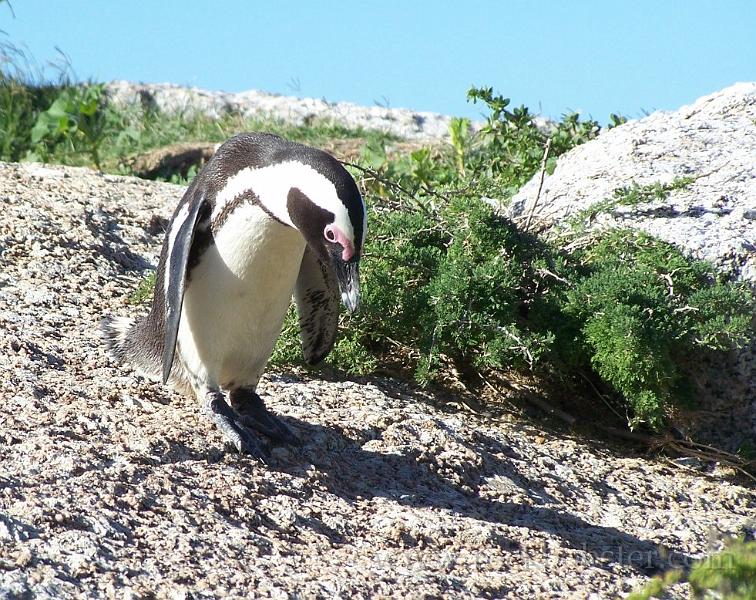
x=552 y=55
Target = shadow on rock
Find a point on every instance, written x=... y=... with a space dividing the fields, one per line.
x=104 y=226
x=354 y=473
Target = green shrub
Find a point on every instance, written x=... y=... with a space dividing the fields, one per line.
x=463 y=287
x=78 y=120
x=730 y=575
x=16 y=118
x=643 y=308
x=727 y=575
x=437 y=283
x=23 y=97
x=512 y=142
x=20 y=105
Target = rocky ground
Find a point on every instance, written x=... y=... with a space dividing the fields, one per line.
x=113 y=487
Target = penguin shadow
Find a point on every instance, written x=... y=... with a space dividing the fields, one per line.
x=413 y=479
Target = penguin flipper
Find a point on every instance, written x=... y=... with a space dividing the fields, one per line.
x=179 y=238
x=317 y=297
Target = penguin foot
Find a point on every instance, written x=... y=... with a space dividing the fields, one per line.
x=252 y=413
x=231 y=426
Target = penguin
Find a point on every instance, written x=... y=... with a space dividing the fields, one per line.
x=264 y=220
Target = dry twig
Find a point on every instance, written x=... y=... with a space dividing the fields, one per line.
x=540 y=183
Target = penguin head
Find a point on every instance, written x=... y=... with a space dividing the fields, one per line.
x=300 y=187
x=333 y=224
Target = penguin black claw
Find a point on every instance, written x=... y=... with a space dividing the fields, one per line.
x=252 y=413
x=234 y=432
x=265 y=220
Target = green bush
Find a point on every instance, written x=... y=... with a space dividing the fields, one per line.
x=643 y=308
x=464 y=288
x=78 y=120
x=23 y=97
x=436 y=283
x=512 y=143
x=727 y=575
x=730 y=575
x=20 y=105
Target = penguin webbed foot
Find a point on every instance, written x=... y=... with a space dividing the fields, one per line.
x=251 y=412
x=230 y=425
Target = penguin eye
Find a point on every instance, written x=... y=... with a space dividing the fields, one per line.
x=329 y=234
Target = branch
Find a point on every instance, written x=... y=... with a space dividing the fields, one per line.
x=536 y=401
x=540 y=184
x=392 y=184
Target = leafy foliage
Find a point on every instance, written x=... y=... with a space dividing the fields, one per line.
x=143 y=293
x=20 y=104
x=458 y=299
x=727 y=575
x=77 y=119
x=642 y=307
x=731 y=573
x=23 y=99
x=629 y=195
x=615 y=120
x=465 y=288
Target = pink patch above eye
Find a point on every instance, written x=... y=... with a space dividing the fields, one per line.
x=348 y=247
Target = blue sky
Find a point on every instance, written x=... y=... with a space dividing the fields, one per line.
x=552 y=55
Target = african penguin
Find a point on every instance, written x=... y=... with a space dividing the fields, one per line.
x=263 y=220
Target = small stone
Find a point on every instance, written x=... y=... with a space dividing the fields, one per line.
x=41 y=295
x=690 y=462
x=24 y=557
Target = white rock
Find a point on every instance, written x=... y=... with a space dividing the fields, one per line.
x=713 y=140
x=171 y=98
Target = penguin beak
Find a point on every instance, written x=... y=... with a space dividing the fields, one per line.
x=348 y=276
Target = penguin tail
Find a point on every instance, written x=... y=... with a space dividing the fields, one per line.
x=127 y=343
x=115 y=333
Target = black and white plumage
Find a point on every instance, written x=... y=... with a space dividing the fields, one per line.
x=265 y=219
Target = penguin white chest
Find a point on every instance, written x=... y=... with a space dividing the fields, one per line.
x=236 y=298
